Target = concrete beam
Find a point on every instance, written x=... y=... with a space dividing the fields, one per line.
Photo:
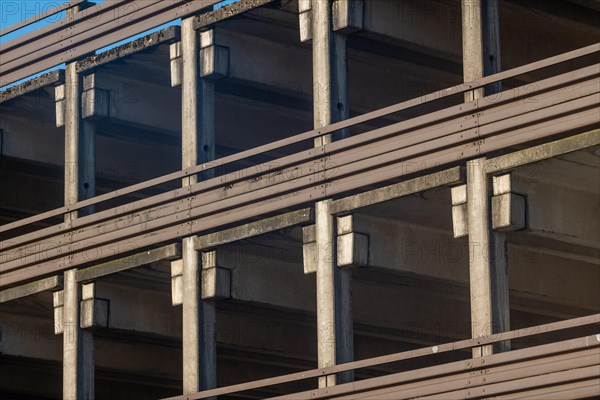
x=116 y=99
x=164 y=36
x=397 y=190
x=256 y=228
x=542 y=152
x=52 y=283
x=169 y=252
x=228 y=11
x=51 y=78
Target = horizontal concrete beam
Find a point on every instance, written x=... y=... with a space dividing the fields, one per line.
x=169 y=252
x=209 y=18
x=256 y=228
x=115 y=98
x=542 y=152
x=47 y=79
x=168 y=35
x=397 y=190
x=50 y=283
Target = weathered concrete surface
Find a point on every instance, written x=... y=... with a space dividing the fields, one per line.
x=47 y=79
x=269 y=328
x=167 y=35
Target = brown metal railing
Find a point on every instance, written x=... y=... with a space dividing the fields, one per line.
x=88 y=30
x=473 y=368
x=563 y=103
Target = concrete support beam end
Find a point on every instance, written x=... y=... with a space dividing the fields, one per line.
x=176 y=64
x=177 y=282
x=459 y=211
x=58 y=301
x=508 y=208
x=508 y=212
x=59 y=98
x=347 y=15
x=214 y=62
x=93 y=312
x=309 y=249
x=216 y=280
x=352 y=247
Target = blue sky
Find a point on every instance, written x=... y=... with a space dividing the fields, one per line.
x=12 y=12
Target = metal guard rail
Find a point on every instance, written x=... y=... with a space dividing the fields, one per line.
x=562 y=103
x=87 y=31
x=407 y=355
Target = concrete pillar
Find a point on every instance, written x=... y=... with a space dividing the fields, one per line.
x=491 y=43
x=78 y=345
x=490 y=311
x=198 y=142
x=479 y=252
x=335 y=343
x=80 y=154
x=330 y=75
x=472 y=40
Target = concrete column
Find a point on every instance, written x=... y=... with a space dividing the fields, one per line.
x=472 y=40
x=491 y=43
x=479 y=252
x=330 y=76
x=490 y=310
x=334 y=296
x=78 y=345
x=198 y=142
x=335 y=343
x=199 y=341
x=80 y=184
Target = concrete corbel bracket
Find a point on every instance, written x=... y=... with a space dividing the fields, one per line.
x=214 y=59
x=58 y=303
x=352 y=246
x=216 y=280
x=94 y=101
x=177 y=282
x=60 y=103
x=93 y=311
x=176 y=64
x=459 y=211
x=305 y=19
x=309 y=249
x=347 y=16
x=508 y=208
